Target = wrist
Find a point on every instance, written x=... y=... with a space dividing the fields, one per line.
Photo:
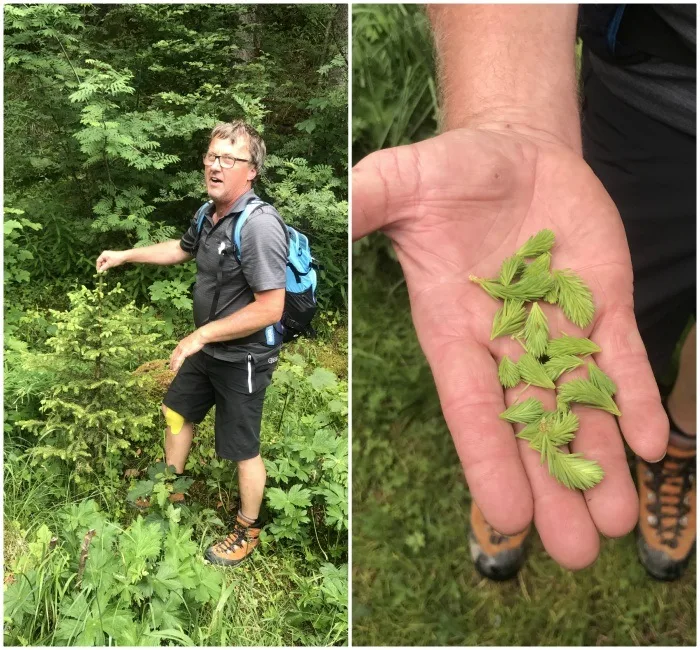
x=562 y=130
x=202 y=335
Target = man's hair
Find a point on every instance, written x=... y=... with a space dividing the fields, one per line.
x=237 y=129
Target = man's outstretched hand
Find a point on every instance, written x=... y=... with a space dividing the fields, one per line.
x=458 y=205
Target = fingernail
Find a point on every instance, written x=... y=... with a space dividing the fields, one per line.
x=660 y=459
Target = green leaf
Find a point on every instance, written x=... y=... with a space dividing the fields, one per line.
x=574 y=297
x=601 y=380
x=584 y=391
x=571 y=345
x=533 y=372
x=536 y=331
x=508 y=373
x=140 y=490
x=509 y=318
x=557 y=366
x=525 y=412
x=542 y=242
x=322 y=378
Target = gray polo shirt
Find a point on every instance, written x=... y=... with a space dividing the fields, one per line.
x=262 y=267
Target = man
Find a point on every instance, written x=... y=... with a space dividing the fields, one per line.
x=510 y=162
x=229 y=359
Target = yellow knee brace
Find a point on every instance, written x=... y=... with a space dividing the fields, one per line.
x=174 y=420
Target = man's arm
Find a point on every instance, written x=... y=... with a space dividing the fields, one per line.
x=166 y=253
x=509 y=65
x=265 y=310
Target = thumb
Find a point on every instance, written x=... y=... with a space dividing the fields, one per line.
x=382 y=183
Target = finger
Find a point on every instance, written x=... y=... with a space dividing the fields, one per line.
x=472 y=398
x=381 y=183
x=643 y=421
x=612 y=503
x=561 y=516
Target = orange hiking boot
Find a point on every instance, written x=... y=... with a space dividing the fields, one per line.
x=666 y=529
x=237 y=546
x=496 y=556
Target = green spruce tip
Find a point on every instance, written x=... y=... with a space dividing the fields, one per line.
x=584 y=391
x=541 y=242
x=553 y=430
x=601 y=380
x=571 y=345
x=536 y=332
x=525 y=412
x=574 y=297
x=557 y=366
x=508 y=373
x=539 y=265
x=509 y=318
x=510 y=268
x=532 y=287
x=533 y=372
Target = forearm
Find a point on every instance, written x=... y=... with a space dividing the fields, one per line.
x=252 y=318
x=509 y=66
x=165 y=253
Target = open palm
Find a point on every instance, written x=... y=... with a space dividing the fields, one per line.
x=458 y=205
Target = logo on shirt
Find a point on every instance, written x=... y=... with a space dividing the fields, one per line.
x=272 y=360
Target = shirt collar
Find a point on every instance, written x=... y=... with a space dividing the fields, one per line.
x=241 y=202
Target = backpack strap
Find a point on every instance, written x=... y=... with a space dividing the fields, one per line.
x=253 y=205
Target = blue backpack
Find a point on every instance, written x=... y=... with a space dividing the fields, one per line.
x=301 y=279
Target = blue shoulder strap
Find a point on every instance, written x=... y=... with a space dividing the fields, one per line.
x=201 y=216
x=242 y=218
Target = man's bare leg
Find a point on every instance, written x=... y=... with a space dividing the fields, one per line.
x=177 y=445
x=682 y=400
x=251 y=484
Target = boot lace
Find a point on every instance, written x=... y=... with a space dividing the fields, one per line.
x=670 y=481
x=234 y=539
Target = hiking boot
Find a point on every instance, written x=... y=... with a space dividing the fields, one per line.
x=237 y=546
x=144 y=503
x=666 y=529
x=496 y=556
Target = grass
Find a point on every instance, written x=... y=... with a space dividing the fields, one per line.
x=413 y=579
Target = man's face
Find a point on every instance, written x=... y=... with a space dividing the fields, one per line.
x=226 y=185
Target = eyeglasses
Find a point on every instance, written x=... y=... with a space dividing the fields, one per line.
x=226 y=162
